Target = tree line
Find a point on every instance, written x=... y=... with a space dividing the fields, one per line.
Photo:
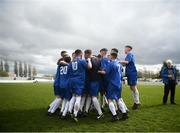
x=21 y=69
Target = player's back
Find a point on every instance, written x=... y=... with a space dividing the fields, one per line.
x=115 y=73
x=76 y=70
x=63 y=71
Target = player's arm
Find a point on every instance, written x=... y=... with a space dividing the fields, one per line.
x=128 y=59
x=63 y=63
x=106 y=70
x=124 y=62
x=89 y=64
x=102 y=72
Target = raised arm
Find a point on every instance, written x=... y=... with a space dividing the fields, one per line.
x=89 y=63
x=63 y=63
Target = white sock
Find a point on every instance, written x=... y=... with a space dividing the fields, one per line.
x=52 y=105
x=77 y=105
x=124 y=104
x=71 y=104
x=88 y=103
x=112 y=108
x=58 y=101
x=105 y=100
x=137 y=97
x=121 y=106
x=82 y=103
x=97 y=105
x=115 y=104
x=66 y=108
x=63 y=105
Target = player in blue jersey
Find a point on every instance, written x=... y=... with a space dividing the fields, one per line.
x=76 y=70
x=65 y=92
x=113 y=92
x=93 y=84
x=104 y=78
x=131 y=74
x=115 y=50
x=55 y=104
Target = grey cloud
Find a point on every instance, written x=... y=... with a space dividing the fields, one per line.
x=36 y=30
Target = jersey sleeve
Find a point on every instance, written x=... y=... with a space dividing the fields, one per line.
x=108 y=68
x=129 y=57
x=104 y=63
x=84 y=63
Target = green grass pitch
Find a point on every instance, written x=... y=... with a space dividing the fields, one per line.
x=23 y=108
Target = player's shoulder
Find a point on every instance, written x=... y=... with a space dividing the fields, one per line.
x=130 y=54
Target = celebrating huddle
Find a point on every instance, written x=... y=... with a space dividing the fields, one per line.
x=82 y=84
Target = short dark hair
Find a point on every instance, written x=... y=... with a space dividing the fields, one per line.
x=114 y=50
x=128 y=46
x=104 y=49
x=98 y=56
x=114 y=54
x=88 y=51
x=78 y=52
x=63 y=52
x=67 y=59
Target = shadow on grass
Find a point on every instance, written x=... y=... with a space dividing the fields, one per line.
x=158 y=106
x=37 y=120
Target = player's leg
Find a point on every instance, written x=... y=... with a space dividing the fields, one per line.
x=77 y=106
x=94 y=90
x=115 y=104
x=122 y=108
x=62 y=106
x=65 y=110
x=112 y=108
x=88 y=103
x=57 y=94
x=71 y=104
x=135 y=94
x=83 y=99
x=111 y=95
x=97 y=106
x=127 y=110
x=57 y=104
x=52 y=105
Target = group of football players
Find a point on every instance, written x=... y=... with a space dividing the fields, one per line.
x=89 y=81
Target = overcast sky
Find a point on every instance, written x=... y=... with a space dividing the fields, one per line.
x=36 y=31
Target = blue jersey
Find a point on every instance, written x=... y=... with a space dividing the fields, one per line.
x=114 y=72
x=63 y=72
x=77 y=72
x=130 y=67
x=104 y=62
x=57 y=76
